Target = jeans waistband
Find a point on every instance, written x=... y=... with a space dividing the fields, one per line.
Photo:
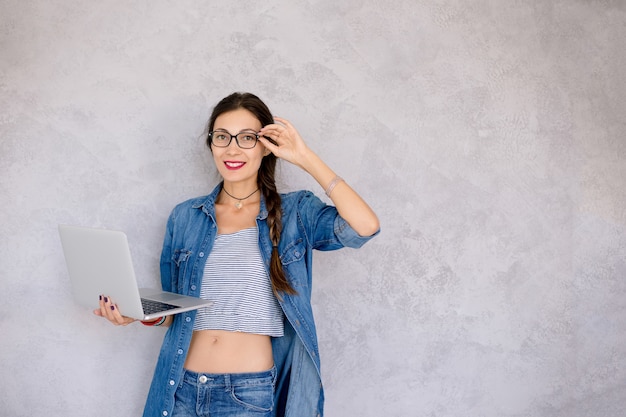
x=225 y=380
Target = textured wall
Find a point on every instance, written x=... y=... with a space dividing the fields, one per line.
x=489 y=136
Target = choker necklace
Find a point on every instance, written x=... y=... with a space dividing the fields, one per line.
x=238 y=204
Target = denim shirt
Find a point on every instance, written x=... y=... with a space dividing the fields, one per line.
x=308 y=224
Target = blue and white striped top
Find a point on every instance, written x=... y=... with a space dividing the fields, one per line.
x=238 y=283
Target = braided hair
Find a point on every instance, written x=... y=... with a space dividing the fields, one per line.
x=265 y=181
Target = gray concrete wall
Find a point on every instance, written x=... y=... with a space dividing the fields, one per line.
x=488 y=135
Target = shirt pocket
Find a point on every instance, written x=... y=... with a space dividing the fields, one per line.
x=180 y=260
x=294 y=263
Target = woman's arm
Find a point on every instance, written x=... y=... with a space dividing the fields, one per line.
x=291 y=147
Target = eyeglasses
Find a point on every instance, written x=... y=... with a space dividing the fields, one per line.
x=222 y=138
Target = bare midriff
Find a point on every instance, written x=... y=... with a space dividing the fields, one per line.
x=220 y=351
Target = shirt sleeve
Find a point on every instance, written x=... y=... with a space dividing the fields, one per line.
x=166 y=263
x=347 y=236
x=325 y=228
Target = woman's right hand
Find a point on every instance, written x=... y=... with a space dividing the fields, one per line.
x=109 y=311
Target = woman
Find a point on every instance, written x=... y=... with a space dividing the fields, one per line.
x=249 y=249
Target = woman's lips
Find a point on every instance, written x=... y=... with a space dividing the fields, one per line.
x=234 y=165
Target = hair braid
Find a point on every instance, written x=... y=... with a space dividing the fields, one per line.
x=274 y=222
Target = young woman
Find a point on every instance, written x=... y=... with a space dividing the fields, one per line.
x=249 y=249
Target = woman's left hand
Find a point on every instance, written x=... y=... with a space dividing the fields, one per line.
x=285 y=142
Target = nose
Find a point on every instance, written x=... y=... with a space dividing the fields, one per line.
x=233 y=147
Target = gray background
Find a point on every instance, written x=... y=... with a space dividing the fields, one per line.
x=488 y=135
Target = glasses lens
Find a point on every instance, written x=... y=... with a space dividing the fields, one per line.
x=220 y=138
x=246 y=140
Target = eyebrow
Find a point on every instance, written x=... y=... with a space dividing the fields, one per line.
x=241 y=131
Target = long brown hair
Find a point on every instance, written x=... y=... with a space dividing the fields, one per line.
x=265 y=180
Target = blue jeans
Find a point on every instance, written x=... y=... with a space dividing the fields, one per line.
x=220 y=395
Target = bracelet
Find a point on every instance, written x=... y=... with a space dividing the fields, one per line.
x=156 y=322
x=332 y=185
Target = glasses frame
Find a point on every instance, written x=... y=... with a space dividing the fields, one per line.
x=247 y=132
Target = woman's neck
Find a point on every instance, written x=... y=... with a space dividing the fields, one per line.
x=239 y=194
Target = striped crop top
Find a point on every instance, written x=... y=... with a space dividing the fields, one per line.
x=236 y=280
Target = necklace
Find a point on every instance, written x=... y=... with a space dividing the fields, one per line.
x=238 y=204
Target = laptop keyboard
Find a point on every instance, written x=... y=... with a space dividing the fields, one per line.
x=150 y=306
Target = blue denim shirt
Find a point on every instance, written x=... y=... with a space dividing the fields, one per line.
x=308 y=224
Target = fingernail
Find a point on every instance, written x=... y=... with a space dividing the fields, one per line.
x=112 y=307
x=106 y=299
x=100 y=297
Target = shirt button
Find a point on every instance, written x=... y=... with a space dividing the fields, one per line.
x=172 y=382
x=201 y=254
x=165 y=413
x=187 y=319
x=180 y=351
x=193 y=287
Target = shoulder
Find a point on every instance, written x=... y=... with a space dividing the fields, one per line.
x=188 y=205
x=201 y=203
x=195 y=202
x=301 y=200
x=191 y=209
x=297 y=197
x=306 y=206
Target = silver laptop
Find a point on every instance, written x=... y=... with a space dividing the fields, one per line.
x=99 y=263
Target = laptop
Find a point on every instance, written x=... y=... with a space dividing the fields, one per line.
x=99 y=263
